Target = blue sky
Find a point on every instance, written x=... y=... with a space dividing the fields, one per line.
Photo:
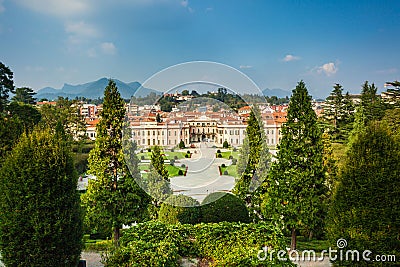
x=275 y=43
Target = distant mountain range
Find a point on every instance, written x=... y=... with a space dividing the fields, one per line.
x=93 y=90
x=280 y=93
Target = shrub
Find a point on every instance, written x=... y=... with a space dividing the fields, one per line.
x=172 y=162
x=225 y=172
x=180 y=172
x=219 y=155
x=181 y=144
x=183 y=166
x=220 y=206
x=142 y=157
x=230 y=157
x=141 y=151
x=172 y=150
x=225 y=144
x=219 y=151
x=186 y=155
x=234 y=161
x=234 y=149
x=223 y=165
x=225 y=244
x=175 y=157
x=179 y=209
x=149 y=150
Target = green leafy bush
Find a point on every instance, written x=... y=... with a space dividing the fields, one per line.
x=219 y=151
x=180 y=172
x=224 y=244
x=220 y=206
x=225 y=144
x=225 y=172
x=234 y=161
x=180 y=209
x=219 y=155
x=223 y=165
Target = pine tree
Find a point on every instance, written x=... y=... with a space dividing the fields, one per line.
x=114 y=198
x=41 y=218
x=296 y=183
x=338 y=112
x=374 y=108
x=366 y=204
x=24 y=95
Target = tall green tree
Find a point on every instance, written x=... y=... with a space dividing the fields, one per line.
x=366 y=204
x=373 y=106
x=41 y=218
x=158 y=183
x=24 y=95
x=296 y=183
x=6 y=85
x=113 y=198
x=339 y=113
x=253 y=164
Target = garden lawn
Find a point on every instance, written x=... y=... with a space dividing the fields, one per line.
x=231 y=170
x=226 y=154
x=172 y=170
x=168 y=155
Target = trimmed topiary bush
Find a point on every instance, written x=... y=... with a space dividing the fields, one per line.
x=218 y=151
x=221 y=206
x=219 y=155
x=180 y=172
x=234 y=149
x=225 y=144
x=186 y=155
x=188 y=152
x=175 y=157
x=179 y=209
x=230 y=157
x=149 y=150
x=223 y=165
x=234 y=161
x=225 y=172
x=142 y=157
x=183 y=166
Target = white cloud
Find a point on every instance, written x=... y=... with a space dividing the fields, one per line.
x=245 y=67
x=328 y=68
x=184 y=3
x=2 y=8
x=387 y=71
x=289 y=57
x=81 y=29
x=108 y=48
x=59 y=8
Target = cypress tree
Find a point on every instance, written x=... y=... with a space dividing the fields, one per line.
x=113 y=198
x=41 y=218
x=253 y=164
x=296 y=183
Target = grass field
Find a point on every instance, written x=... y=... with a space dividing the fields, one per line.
x=226 y=154
x=172 y=170
x=231 y=170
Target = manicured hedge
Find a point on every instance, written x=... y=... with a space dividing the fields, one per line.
x=222 y=244
x=179 y=209
x=220 y=206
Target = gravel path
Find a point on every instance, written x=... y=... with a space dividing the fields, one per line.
x=92 y=259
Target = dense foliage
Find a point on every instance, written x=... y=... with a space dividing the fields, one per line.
x=41 y=219
x=222 y=244
x=366 y=204
x=220 y=207
x=179 y=209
